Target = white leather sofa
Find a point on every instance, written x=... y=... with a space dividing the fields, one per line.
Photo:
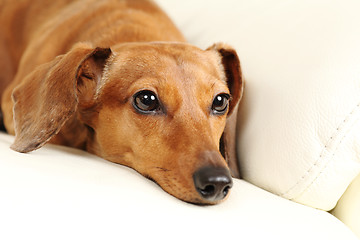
x=298 y=141
x=63 y=193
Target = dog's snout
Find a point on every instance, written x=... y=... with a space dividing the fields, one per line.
x=212 y=183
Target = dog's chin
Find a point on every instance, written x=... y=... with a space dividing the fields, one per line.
x=187 y=196
x=200 y=201
x=204 y=202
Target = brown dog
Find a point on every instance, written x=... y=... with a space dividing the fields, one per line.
x=114 y=77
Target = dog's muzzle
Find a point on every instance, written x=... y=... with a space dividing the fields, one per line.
x=212 y=183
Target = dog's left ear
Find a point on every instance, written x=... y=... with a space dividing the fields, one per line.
x=232 y=70
x=51 y=94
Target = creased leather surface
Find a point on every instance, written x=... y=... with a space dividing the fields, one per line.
x=299 y=135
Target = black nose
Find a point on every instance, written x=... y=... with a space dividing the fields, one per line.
x=212 y=183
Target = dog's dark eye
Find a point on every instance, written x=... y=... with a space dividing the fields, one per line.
x=220 y=103
x=146 y=101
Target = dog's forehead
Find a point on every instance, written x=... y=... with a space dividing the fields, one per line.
x=164 y=57
x=163 y=60
x=163 y=66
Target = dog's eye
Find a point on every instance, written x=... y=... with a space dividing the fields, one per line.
x=220 y=103
x=146 y=101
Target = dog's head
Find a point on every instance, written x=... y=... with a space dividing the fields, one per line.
x=159 y=108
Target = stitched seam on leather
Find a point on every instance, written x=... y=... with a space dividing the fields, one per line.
x=324 y=153
x=331 y=156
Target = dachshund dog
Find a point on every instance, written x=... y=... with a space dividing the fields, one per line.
x=117 y=79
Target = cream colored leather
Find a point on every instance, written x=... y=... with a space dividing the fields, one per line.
x=299 y=133
x=62 y=193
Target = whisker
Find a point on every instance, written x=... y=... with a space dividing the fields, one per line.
x=162 y=169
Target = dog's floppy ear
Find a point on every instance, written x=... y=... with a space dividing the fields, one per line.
x=231 y=65
x=48 y=96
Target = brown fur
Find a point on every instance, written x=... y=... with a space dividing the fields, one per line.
x=71 y=68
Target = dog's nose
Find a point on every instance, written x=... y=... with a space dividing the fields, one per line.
x=212 y=183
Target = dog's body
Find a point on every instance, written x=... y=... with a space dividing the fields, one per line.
x=114 y=77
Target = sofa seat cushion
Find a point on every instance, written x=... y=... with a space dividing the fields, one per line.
x=63 y=193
